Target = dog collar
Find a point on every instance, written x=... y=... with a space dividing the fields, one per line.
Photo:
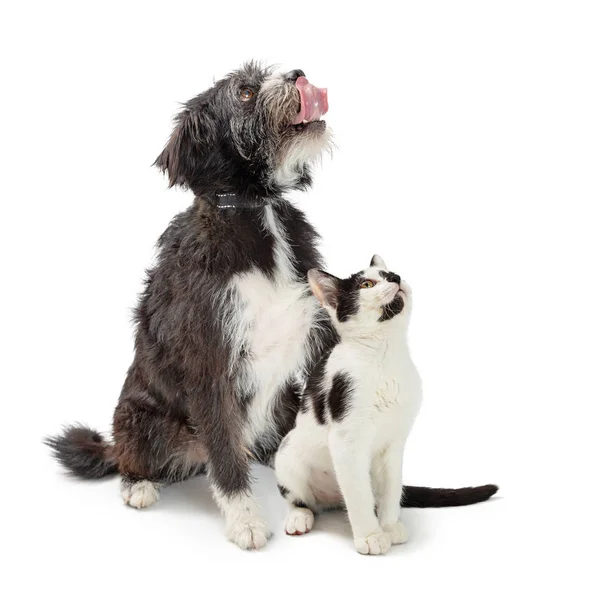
x=224 y=201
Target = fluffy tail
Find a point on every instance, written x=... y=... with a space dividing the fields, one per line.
x=83 y=451
x=423 y=497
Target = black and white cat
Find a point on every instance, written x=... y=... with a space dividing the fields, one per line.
x=358 y=408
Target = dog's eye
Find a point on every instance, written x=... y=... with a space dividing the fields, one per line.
x=246 y=93
x=367 y=284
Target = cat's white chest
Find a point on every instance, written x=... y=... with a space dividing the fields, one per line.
x=396 y=400
x=387 y=393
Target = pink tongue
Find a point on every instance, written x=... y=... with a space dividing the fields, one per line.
x=313 y=101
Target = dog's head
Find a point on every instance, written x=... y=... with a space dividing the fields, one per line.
x=253 y=132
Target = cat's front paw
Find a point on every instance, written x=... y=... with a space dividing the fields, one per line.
x=376 y=543
x=397 y=531
x=300 y=521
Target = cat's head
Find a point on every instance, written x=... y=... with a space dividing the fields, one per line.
x=372 y=298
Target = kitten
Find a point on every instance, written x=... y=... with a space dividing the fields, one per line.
x=357 y=411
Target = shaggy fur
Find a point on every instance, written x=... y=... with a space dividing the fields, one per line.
x=226 y=326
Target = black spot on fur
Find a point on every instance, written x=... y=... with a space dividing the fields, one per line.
x=348 y=291
x=315 y=392
x=283 y=490
x=321 y=341
x=389 y=311
x=339 y=396
x=390 y=276
x=300 y=504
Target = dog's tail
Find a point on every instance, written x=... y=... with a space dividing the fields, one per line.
x=424 y=497
x=83 y=452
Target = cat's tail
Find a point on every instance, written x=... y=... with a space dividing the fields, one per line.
x=424 y=497
x=83 y=452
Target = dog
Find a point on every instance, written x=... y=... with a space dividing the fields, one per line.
x=226 y=326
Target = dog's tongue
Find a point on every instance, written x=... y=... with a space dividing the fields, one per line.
x=313 y=101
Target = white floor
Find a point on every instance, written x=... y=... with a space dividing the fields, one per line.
x=70 y=539
x=77 y=538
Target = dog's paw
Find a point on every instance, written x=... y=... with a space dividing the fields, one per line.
x=249 y=533
x=397 y=531
x=140 y=494
x=376 y=543
x=299 y=521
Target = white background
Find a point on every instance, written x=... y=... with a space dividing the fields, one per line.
x=468 y=139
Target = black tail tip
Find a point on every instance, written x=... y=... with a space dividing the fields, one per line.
x=489 y=489
x=474 y=495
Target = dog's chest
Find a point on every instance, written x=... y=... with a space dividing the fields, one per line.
x=272 y=326
x=269 y=328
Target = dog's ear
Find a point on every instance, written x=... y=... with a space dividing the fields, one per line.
x=378 y=262
x=182 y=156
x=324 y=286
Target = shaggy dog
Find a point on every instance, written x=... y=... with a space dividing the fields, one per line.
x=226 y=326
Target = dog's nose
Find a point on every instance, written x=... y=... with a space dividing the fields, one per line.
x=293 y=75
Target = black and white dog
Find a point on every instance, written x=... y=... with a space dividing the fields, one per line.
x=226 y=325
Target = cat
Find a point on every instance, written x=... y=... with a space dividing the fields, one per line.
x=357 y=410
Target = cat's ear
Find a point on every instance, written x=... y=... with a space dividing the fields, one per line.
x=377 y=262
x=324 y=286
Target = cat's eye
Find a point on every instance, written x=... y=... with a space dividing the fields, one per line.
x=246 y=94
x=367 y=284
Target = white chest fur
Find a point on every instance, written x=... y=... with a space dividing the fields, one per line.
x=387 y=386
x=269 y=323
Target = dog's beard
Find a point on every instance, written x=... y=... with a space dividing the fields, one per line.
x=299 y=151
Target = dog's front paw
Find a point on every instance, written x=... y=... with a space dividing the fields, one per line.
x=139 y=494
x=251 y=533
x=376 y=543
x=397 y=532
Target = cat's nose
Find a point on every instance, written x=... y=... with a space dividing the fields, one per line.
x=293 y=75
